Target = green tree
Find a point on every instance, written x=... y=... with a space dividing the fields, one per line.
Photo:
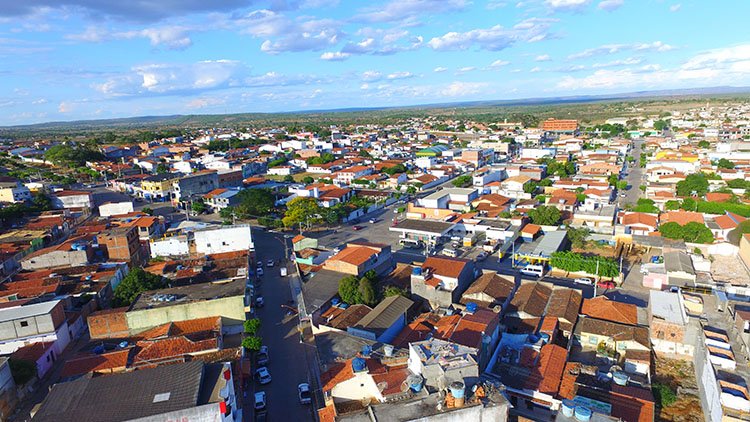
x=530 y=186
x=72 y=155
x=288 y=178
x=395 y=291
x=577 y=236
x=646 y=205
x=545 y=182
x=252 y=343
x=162 y=168
x=349 y=290
x=695 y=232
x=302 y=211
x=660 y=125
x=689 y=204
x=147 y=210
x=672 y=205
x=723 y=163
x=307 y=180
x=136 y=282
x=622 y=184
x=462 y=181
x=735 y=235
x=199 y=207
x=704 y=144
x=254 y=203
x=664 y=394
x=613 y=179
x=642 y=188
x=367 y=292
x=696 y=183
x=227 y=213
x=252 y=326
x=545 y=215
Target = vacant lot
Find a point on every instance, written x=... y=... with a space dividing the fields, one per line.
x=679 y=376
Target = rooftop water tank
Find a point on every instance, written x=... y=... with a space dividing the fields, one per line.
x=620 y=378
x=471 y=307
x=388 y=350
x=335 y=301
x=416 y=271
x=457 y=391
x=415 y=383
x=366 y=350
x=582 y=414
x=358 y=364
x=568 y=406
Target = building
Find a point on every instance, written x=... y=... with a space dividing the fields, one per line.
x=115 y=208
x=442 y=362
x=157 y=307
x=457 y=199
x=72 y=199
x=13 y=191
x=76 y=251
x=8 y=394
x=679 y=268
x=158 y=187
x=34 y=323
x=205 y=241
x=358 y=258
x=183 y=391
x=668 y=320
x=197 y=183
x=385 y=321
x=491 y=290
x=441 y=280
x=122 y=244
x=560 y=126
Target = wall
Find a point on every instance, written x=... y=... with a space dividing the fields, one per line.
x=72 y=201
x=231 y=309
x=116 y=208
x=357 y=388
x=225 y=239
x=8 y=397
x=35 y=325
x=171 y=246
x=108 y=325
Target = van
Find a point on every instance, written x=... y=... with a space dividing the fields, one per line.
x=411 y=243
x=533 y=270
x=450 y=252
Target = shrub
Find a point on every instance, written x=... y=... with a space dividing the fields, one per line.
x=663 y=394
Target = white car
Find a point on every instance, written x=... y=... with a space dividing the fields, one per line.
x=303 y=391
x=270 y=263
x=260 y=271
x=260 y=400
x=373 y=221
x=263 y=376
x=583 y=280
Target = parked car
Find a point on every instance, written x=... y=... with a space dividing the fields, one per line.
x=262 y=356
x=270 y=263
x=357 y=228
x=303 y=391
x=260 y=400
x=373 y=220
x=584 y=280
x=262 y=375
x=606 y=285
x=260 y=302
x=260 y=271
x=482 y=256
x=259 y=263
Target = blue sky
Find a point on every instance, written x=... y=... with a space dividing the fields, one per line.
x=94 y=59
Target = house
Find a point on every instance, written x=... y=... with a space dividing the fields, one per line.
x=385 y=321
x=74 y=252
x=441 y=280
x=347 y=175
x=681 y=217
x=563 y=200
x=358 y=258
x=601 y=307
x=442 y=362
x=195 y=391
x=457 y=199
x=670 y=332
x=8 y=393
x=559 y=125
x=197 y=183
x=564 y=305
x=115 y=208
x=122 y=244
x=721 y=225
x=491 y=290
x=639 y=223
x=527 y=306
x=40 y=354
x=71 y=199
x=611 y=339
x=221 y=198
x=158 y=187
x=515 y=187
x=679 y=268
x=25 y=324
x=13 y=191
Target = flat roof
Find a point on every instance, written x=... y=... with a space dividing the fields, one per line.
x=432 y=227
x=544 y=247
x=27 y=311
x=187 y=294
x=668 y=306
x=320 y=288
x=450 y=191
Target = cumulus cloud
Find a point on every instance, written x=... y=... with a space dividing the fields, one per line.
x=172 y=37
x=65 y=107
x=142 y=11
x=400 y=75
x=543 y=58
x=630 y=61
x=382 y=42
x=675 y=7
x=439 y=69
x=400 y=10
x=535 y=69
x=495 y=38
x=610 y=5
x=466 y=69
x=462 y=89
x=198 y=103
x=617 y=48
x=334 y=56
x=567 y=5
x=312 y=35
x=499 y=63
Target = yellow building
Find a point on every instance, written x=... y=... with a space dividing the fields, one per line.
x=158 y=186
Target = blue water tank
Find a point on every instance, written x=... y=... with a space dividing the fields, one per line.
x=471 y=307
x=366 y=350
x=98 y=350
x=358 y=364
x=335 y=301
x=457 y=389
x=620 y=378
x=568 y=406
x=416 y=271
x=583 y=414
x=415 y=383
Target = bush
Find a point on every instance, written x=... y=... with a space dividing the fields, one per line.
x=252 y=326
x=663 y=394
x=252 y=343
x=545 y=215
x=692 y=232
x=575 y=262
x=462 y=181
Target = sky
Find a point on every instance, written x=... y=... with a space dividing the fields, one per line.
x=95 y=59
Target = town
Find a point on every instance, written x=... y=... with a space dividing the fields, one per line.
x=434 y=267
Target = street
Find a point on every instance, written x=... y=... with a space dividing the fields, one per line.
x=634 y=177
x=288 y=363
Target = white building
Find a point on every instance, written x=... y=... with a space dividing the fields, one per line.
x=115 y=208
x=71 y=199
x=39 y=322
x=223 y=239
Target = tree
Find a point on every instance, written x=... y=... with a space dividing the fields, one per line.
x=136 y=282
x=723 y=163
x=288 y=178
x=545 y=182
x=398 y=168
x=227 y=213
x=147 y=210
x=199 y=207
x=642 y=188
x=647 y=206
x=349 y=290
x=307 y=180
x=395 y=291
x=577 y=236
x=672 y=205
x=689 y=204
x=302 y=210
x=162 y=168
x=663 y=394
x=622 y=184
x=530 y=186
x=252 y=343
x=694 y=184
x=72 y=156
x=704 y=144
x=613 y=179
x=254 y=202
x=462 y=181
x=367 y=292
x=545 y=215
x=735 y=235
x=660 y=125
x=697 y=233
x=252 y=325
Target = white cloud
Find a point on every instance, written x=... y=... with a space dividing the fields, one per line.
x=496 y=4
x=334 y=56
x=313 y=35
x=543 y=58
x=625 y=62
x=616 y=48
x=172 y=37
x=495 y=38
x=378 y=41
x=535 y=69
x=567 y=5
x=719 y=58
x=675 y=7
x=39 y=101
x=439 y=69
x=400 y=10
x=462 y=89
x=65 y=107
x=199 y=103
x=499 y=63
x=466 y=69
x=610 y=5
x=400 y=75
x=371 y=75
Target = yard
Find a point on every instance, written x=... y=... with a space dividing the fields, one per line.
x=675 y=386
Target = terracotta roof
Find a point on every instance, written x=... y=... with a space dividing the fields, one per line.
x=470 y=327
x=111 y=361
x=355 y=255
x=496 y=286
x=444 y=266
x=725 y=222
x=681 y=217
x=337 y=373
x=350 y=316
x=32 y=352
x=417 y=330
x=531 y=298
x=390 y=382
x=640 y=218
x=564 y=304
x=531 y=229
x=601 y=307
x=617 y=331
x=166 y=348
x=549 y=369
x=297 y=238
x=178 y=328
x=718 y=197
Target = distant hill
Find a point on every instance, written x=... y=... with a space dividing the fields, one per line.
x=528 y=105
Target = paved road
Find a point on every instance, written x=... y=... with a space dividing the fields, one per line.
x=634 y=177
x=288 y=363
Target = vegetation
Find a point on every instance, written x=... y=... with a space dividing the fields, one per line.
x=136 y=282
x=252 y=343
x=704 y=144
x=302 y=211
x=323 y=159
x=664 y=394
x=694 y=184
x=723 y=163
x=199 y=207
x=72 y=155
x=353 y=290
x=692 y=232
x=252 y=326
x=577 y=236
x=735 y=235
x=646 y=205
x=22 y=370
x=545 y=215
x=39 y=203
x=557 y=168
x=575 y=262
x=398 y=168
x=395 y=291
x=462 y=181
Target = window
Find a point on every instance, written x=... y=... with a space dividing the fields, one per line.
x=24 y=323
x=592 y=340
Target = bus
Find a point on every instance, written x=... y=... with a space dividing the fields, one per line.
x=533 y=270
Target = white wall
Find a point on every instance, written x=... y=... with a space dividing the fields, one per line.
x=115 y=208
x=170 y=246
x=225 y=239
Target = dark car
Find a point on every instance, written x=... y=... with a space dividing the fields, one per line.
x=357 y=228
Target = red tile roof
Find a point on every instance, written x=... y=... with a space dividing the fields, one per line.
x=682 y=217
x=601 y=307
x=32 y=352
x=549 y=370
x=112 y=361
x=444 y=266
